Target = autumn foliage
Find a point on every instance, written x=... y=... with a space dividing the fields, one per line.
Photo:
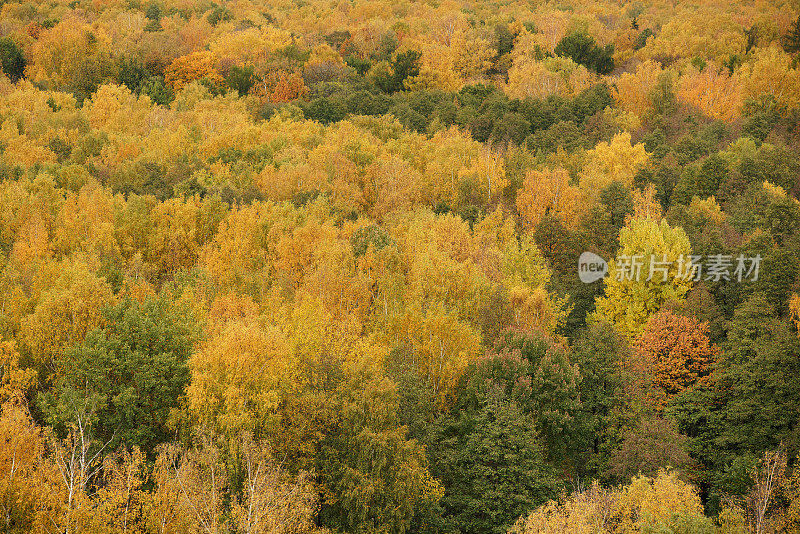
x=676 y=351
x=313 y=267
x=194 y=66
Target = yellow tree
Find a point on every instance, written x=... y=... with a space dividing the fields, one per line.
x=23 y=468
x=646 y=504
x=190 y=488
x=73 y=468
x=772 y=72
x=65 y=313
x=653 y=267
x=191 y=67
x=528 y=78
x=441 y=348
x=548 y=192
x=114 y=108
x=68 y=56
x=645 y=204
x=117 y=505
x=632 y=90
x=239 y=377
x=280 y=86
x=525 y=275
x=439 y=255
x=715 y=92
x=390 y=184
x=172 y=243
x=272 y=502
x=618 y=160
x=236 y=258
x=85 y=223
x=14 y=380
x=794 y=310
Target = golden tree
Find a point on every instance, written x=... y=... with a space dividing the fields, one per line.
x=191 y=67
x=548 y=192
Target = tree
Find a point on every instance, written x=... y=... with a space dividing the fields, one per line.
x=772 y=73
x=750 y=405
x=618 y=160
x=191 y=67
x=511 y=128
x=582 y=49
x=647 y=504
x=241 y=79
x=778 y=276
x=118 y=503
x=760 y=403
x=713 y=172
x=782 y=219
x=69 y=56
x=676 y=350
x=715 y=92
x=599 y=352
x=279 y=86
x=66 y=312
x=23 y=468
x=191 y=486
x=374 y=478
x=548 y=192
x=794 y=310
x=78 y=461
x=768 y=476
x=654 y=443
x=325 y=110
x=14 y=380
x=272 y=501
x=791 y=41
x=646 y=275
x=619 y=203
x=632 y=90
x=134 y=371
x=238 y=378
x=491 y=462
x=12 y=62
x=404 y=66
x=544 y=384
x=172 y=241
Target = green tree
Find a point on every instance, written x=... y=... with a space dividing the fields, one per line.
x=712 y=173
x=791 y=41
x=12 y=61
x=583 y=49
x=598 y=352
x=325 y=110
x=782 y=220
x=545 y=385
x=132 y=73
x=134 y=370
x=374 y=478
x=753 y=404
x=241 y=79
x=491 y=461
x=778 y=276
x=405 y=65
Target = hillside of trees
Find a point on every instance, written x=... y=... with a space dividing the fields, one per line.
x=309 y=266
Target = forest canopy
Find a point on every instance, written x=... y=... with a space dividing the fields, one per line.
x=315 y=267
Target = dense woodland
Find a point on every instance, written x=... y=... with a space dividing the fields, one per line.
x=310 y=266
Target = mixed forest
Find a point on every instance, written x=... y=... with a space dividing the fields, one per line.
x=311 y=266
